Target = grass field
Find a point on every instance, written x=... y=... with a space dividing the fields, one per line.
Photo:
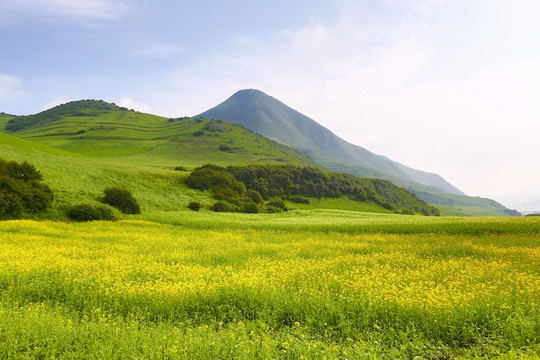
x=307 y=284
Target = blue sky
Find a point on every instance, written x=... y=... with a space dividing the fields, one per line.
x=448 y=86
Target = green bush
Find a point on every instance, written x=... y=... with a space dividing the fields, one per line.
x=90 y=212
x=195 y=206
x=180 y=168
x=21 y=190
x=122 y=200
x=255 y=196
x=277 y=203
x=221 y=206
x=250 y=208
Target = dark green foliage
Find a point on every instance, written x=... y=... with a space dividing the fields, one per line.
x=254 y=196
x=277 y=203
x=221 y=206
x=10 y=203
x=298 y=200
x=171 y=120
x=21 y=190
x=121 y=199
x=271 y=181
x=250 y=208
x=180 y=168
x=208 y=176
x=195 y=206
x=91 y=212
x=74 y=108
x=216 y=126
x=198 y=133
x=225 y=148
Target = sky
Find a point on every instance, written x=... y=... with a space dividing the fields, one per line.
x=445 y=86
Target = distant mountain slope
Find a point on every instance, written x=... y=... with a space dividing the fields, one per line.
x=98 y=129
x=271 y=118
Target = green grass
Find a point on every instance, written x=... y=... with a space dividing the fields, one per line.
x=76 y=178
x=130 y=137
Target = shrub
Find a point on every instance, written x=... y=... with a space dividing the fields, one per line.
x=180 y=168
x=221 y=206
x=224 y=148
x=250 y=208
x=122 y=200
x=198 y=133
x=195 y=206
x=221 y=193
x=255 y=196
x=277 y=203
x=21 y=190
x=89 y=212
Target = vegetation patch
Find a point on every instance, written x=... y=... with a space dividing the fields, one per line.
x=21 y=190
x=91 y=212
x=121 y=199
x=233 y=183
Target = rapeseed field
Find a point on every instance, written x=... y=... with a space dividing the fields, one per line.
x=144 y=290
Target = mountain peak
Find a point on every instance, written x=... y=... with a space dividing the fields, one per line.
x=270 y=117
x=250 y=92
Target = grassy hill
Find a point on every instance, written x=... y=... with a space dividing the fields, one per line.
x=79 y=156
x=97 y=129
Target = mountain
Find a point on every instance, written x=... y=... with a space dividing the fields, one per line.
x=270 y=117
x=85 y=146
x=97 y=129
x=275 y=120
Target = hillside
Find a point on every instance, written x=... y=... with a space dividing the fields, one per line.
x=272 y=118
x=161 y=192
x=98 y=129
x=81 y=151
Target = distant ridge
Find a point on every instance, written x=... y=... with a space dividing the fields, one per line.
x=275 y=120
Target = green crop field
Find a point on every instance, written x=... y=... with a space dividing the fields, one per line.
x=340 y=285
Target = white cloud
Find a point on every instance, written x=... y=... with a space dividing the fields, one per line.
x=130 y=103
x=98 y=9
x=10 y=87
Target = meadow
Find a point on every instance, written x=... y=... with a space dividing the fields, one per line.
x=309 y=284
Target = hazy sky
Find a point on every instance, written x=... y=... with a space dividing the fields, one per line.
x=451 y=87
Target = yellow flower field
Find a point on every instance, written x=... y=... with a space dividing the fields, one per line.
x=136 y=289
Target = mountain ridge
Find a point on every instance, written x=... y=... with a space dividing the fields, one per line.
x=272 y=118
x=279 y=122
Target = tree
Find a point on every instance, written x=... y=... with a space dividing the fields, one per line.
x=21 y=190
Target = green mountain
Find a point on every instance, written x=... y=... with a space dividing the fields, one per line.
x=275 y=120
x=97 y=129
x=85 y=146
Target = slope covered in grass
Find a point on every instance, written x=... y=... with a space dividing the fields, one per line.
x=100 y=130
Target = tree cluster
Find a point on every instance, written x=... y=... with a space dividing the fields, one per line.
x=21 y=190
x=230 y=193
x=289 y=181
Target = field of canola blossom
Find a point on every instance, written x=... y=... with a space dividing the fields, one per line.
x=136 y=289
